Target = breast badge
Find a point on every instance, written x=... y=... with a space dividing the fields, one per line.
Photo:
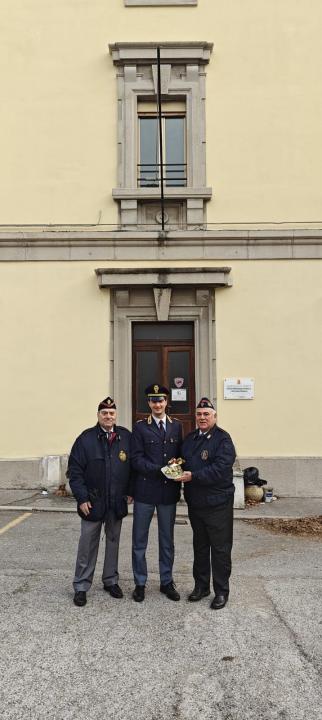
x=122 y=455
x=204 y=455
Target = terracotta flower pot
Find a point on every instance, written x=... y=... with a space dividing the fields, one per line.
x=253 y=492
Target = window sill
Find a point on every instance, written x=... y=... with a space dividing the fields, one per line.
x=136 y=3
x=175 y=193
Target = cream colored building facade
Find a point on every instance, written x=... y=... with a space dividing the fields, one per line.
x=83 y=258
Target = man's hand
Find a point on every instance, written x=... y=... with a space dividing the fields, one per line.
x=185 y=477
x=85 y=508
x=129 y=499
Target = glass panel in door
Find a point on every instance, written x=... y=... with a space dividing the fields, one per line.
x=179 y=380
x=147 y=368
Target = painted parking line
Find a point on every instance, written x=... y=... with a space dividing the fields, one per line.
x=15 y=522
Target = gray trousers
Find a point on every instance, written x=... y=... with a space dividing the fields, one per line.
x=88 y=550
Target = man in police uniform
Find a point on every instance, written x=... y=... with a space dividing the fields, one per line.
x=155 y=441
x=99 y=476
x=209 y=456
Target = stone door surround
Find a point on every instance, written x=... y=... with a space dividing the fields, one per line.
x=161 y=295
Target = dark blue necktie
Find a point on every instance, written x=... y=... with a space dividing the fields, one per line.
x=162 y=430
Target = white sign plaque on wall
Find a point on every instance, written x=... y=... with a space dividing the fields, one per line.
x=238 y=388
x=178 y=394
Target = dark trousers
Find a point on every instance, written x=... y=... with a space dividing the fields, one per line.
x=212 y=541
x=142 y=517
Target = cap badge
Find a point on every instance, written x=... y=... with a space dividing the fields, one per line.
x=156 y=389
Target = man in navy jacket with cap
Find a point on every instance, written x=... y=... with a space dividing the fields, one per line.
x=209 y=456
x=99 y=477
x=155 y=441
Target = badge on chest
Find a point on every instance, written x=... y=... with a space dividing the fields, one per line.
x=122 y=455
x=204 y=455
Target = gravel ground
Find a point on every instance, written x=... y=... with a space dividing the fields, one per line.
x=260 y=658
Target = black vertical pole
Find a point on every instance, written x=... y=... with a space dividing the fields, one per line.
x=160 y=137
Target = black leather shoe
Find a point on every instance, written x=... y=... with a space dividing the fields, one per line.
x=198 y=593
x=219 y=602
x=80 y=598
x=114 y=590
x=170 y=591
x=138 y=593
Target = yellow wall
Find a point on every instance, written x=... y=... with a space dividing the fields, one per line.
x=269 y=327
x=54 y=362
x=58 y=95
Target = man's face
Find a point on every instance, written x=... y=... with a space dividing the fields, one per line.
x=106 y=418
x=206 y=419
x=158 y=407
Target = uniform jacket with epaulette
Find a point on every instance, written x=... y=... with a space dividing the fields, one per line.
x=210 y=458
x=99 y=472
x=149 y=452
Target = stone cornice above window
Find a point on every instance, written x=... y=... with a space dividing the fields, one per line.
x=136 y=3
x=164 y=277
x=125 y=53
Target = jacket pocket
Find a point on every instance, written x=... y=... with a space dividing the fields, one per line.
x=121 y=507
x=97 y=511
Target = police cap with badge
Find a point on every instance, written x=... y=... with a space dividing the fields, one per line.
x=156 y=392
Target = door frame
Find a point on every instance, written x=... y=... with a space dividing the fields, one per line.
x=166 y=346
x=137 y=304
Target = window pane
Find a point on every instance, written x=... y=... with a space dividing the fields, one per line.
x=175 y=151
x=147 y=369
x=163 y=331
x=149 y=152
x=178 y=367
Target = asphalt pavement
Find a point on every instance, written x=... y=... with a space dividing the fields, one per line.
x=260 y=658
x=36 y=501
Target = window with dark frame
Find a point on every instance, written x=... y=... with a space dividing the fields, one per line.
x=174 y=150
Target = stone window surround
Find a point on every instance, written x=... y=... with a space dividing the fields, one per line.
x=137 y=3
x=131 y=86
x=159 y=295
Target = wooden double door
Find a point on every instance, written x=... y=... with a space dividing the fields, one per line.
x=163 y=353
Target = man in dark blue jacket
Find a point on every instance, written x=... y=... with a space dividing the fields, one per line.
x=155 y=441
x=209 y=456
x=99 y=477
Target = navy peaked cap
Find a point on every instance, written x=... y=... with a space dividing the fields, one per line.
x=153 y=391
